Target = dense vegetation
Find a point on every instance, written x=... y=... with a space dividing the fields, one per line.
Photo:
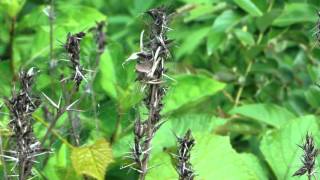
x=237 y=93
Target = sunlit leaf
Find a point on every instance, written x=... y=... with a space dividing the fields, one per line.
x=249 y=7
x=188 y=89
x=225 y=162
x=296 y=13
x=92 y=160
x=280 y=149
x=270 y=114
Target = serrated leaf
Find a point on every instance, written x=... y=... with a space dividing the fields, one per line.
x=270 y=114
x=280 y=149
x=249 y=7
x=189 y=89
x=92 y=160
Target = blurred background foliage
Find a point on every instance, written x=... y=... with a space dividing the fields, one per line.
x=245 y=75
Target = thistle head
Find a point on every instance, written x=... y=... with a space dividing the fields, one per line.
x=308 y=158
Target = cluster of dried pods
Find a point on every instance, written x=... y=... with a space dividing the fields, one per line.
x=150 y=70
x=23 y=103
x=308 y=158
x=154 y=51
x=26 y=146
x=183 y=165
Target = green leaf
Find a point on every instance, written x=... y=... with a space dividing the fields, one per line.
x=92 y=160
x=280 y=149
x=312 y=96
x=270 y=114
x=12 y=7
x=200 y=1
x=249 y=7
x=220 y=27
x=203 y=11
x=296 y=13
x=109 y=78
x=192 y=41
x=212 y=158
x=188 y=89
x=245 y=37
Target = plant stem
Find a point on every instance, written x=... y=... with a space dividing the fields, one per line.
x=144 y=166
x=3 y=161
x=240 y=90
x=115 y=134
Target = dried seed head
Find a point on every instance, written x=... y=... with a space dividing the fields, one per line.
x=72 y=46
x=308 y=158
x=99 y=34
x=21 y=105
x=150 y=71
x=183 y=166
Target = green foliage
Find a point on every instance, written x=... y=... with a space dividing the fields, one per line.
x=241 y=76
x=278 y=149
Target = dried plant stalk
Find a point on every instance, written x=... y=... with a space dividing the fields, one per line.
x=21 y=105
x=150 y=69
x=308 y=158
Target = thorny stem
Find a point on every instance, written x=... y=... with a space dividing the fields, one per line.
x=149 y=132
x=21 y=105
x=183 y=165
x=60 y=111
x=150 y=69
x=4 y=166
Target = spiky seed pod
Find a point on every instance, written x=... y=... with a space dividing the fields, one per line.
x=150 y=69
x=99 y=35
x=72 y=46
x=309 y=157
x=21 y=105
x=183 y=165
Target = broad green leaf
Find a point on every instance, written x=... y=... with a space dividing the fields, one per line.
x=203 y=11
x=165 y=136
x=267 y=19
x=222 y=24
x=197 y=123
x=107 y=69
x=192 y=41
x=312 y=96
x=245 y=37
x=200 y=1
x=212 y=158
x=249 y=7
x=188 y=89
x=280 y=149
x=296 y=13
x=12 y=7
x=270 y=114
x=225 y=21
x=78 y=17
x=92 y=160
